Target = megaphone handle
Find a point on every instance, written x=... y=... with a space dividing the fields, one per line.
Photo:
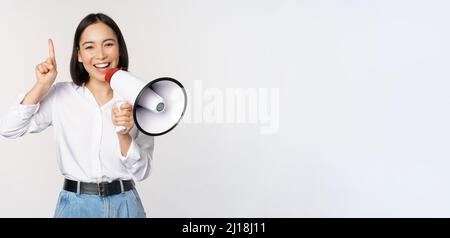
x=120 y=129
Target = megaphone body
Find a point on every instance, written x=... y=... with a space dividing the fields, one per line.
x=158 y=106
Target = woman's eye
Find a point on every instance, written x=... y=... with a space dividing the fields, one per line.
x=109 y=44
x=88 y=47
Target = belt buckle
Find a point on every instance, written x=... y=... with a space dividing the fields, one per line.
x=101 y=188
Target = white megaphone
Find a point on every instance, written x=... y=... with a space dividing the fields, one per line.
x=158 y=106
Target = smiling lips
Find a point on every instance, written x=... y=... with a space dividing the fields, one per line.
x=102 y=66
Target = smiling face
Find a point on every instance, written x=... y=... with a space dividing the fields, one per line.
x=98 y=50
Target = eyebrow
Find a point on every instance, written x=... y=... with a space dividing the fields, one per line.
x=91 y=42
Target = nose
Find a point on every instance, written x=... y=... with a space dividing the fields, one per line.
x=100 y=53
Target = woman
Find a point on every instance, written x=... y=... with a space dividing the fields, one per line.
x=99 y=165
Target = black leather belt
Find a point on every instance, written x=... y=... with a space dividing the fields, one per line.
x=102 y=189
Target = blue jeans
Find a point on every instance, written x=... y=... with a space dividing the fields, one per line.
x=123 y=205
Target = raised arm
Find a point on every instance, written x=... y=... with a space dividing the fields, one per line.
x=45 y=77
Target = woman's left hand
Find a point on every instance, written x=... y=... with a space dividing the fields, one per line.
x=123 y=117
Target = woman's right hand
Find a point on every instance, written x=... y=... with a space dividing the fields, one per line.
x=46 y=71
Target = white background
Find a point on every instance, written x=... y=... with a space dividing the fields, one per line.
x=364 y=117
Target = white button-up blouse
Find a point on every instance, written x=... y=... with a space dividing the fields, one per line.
x=88 y=148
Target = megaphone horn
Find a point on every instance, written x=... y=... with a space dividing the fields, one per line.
x=158 y=106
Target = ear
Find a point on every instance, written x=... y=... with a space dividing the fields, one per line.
x=79 y=57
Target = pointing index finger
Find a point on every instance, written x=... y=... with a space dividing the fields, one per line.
x=51 y=49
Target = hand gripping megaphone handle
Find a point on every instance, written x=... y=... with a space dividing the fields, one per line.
x=120 y=129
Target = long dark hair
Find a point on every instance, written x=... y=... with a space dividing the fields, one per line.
x=77 y=70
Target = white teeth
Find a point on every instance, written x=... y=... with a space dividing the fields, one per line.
x=101 y=65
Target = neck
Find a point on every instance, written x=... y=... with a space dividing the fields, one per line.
x=99 y=88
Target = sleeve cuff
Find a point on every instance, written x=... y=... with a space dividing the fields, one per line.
x=25 y=111
x=132 y=156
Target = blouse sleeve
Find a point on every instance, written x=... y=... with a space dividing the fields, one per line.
x=22 y=119
x=139 y=157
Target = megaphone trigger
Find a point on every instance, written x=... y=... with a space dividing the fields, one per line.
x=120 y=129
